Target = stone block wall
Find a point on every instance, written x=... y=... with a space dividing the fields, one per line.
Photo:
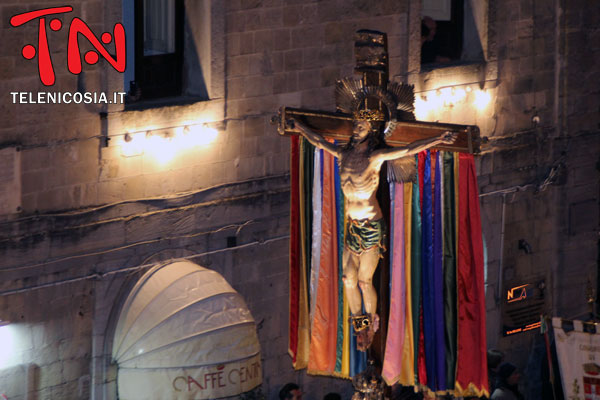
x=540 y=126
x=47 y=348
x=538 y=130
x=62 y=320
x=93 y=218
x=283 y=53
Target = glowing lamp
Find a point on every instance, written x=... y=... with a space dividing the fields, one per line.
x=163 y=145
x=422 y=107
x=459 y=95
x=132 y=145
x=199 y=135
x=482 y=99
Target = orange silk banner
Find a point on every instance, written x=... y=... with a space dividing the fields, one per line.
x=322 y=355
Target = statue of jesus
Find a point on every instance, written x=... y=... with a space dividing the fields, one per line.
x=360 y=162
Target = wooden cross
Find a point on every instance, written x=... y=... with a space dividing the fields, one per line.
x=372 y=65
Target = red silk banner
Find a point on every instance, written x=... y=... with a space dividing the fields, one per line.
x=294 y=248
x=471 y=371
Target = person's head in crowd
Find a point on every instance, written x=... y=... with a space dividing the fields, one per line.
x=494 y=358
x=509 y=374
x=290 y=391
x=332 y=396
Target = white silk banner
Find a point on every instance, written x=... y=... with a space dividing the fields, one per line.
x=317 y=200
x=579 y=360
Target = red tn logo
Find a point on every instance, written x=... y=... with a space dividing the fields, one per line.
x=77 y=26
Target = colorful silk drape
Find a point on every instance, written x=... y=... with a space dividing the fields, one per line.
x=316 y=246
x=436 y=330
x=446 y=278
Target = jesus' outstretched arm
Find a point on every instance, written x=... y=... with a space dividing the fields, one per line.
x=414 y=147
x=315 y=139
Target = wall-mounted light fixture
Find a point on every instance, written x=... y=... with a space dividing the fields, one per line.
x=165 y=143
x=525 y=246
x=132 y=144
x=482 y=99
x=199 y=135
x=435 y=100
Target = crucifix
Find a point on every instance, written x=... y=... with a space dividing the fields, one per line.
x=374 y=123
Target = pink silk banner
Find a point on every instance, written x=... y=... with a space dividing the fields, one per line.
x=392 y=364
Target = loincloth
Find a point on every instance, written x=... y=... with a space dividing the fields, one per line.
x=364 y=235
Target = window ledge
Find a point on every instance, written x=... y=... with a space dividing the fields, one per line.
x=434 y=76
x=452 y=64
x=162 y=102
x=165 y=113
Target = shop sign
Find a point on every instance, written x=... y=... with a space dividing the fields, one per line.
x=210 y=382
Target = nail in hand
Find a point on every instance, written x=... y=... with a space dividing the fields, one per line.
x=449 y=137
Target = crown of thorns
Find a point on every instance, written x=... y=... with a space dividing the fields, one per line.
x=351 y=94
x=369 y=115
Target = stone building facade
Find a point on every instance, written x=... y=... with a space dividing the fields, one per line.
x=84 y=213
